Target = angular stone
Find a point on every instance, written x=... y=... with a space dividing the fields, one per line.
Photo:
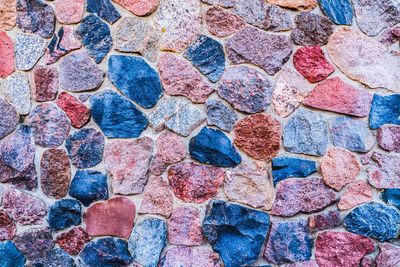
x=104 y=9
x=286 y=167
x=77 y=112
x=302 y=195
x=311 y=29
x=358 y=192
x=56 y=257
x=181 y=23
x=89 y=186
x=195 y=183
x=55 y=173
x=249 y=184
x=384 y=171
x=258 y=136
x=374 y=220
x=147 y=241
x=296 y=4
x=16 y=88
x=341 y=249
x=34 y=243
x=184 y=227
x=139 y=7
x=389 y=255
x=8 y=16
x=306 y=133
x=384 y=110
x=128 y=162
x=290 y=91
x=9 y=119
x=352 y=134
x=6 y=53
x=73 y=241
x=7 y=226
x=107 y=106
x=63 y=42
x=44 y=83
x=368 y=63
x=324 y=221
x=28 y=50
x=268 y=51
x=10 y=255
x=282 y=236
x=223 y=3
x=237 y=233
x=338 y=96
x=112 y=217
x=339 y=11
x=186 y=120
x=69 y=11
x=388 y=137
x=78 y=73
x=189 y=256
x=35 y=16
x=220 y=115
x=390 y=36
x=222 y=23
x=64 y=213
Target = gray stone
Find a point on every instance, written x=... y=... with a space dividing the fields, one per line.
x=17 y=90
x=223 y=3
x=220 y=115
x=188 y=119
x=8 y=119
x=28 y=49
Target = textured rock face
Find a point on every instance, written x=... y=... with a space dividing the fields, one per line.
x=189 y=256
x=166 y=108
x=339 y=11
x=62 y=43
x=235 y=232
x=220 y=115
x=388 y=137
x=10 y=255
x=104 y=9
x=34 y=243
x=222 y=23
x=297 y=4
x=389 y=255
x=324 y=221
x=358 y=192
x=56 y=257
x=73 y=241
x=384 y=171
x=6 y=54
x=28 y=49
x=8 y=16
x=9 y=119
x=69 y=11
x=64 y=213
x=186 y=120
x=35 y=16
x=390 y=36
x=7 y=226
x=384 y=110
x=311 y=29
x=139 y=7
x=16 y=88
x=391 y=196
x=77 y=112
x=184 y=227
x=223 y=3
x=285 y=167
x=89 y=186
x=44 y=83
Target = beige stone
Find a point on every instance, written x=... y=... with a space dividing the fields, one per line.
x=8 y=14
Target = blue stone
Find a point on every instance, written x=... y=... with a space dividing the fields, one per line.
x=147 y=241
x=89 y=186
x=104 y=9
x=286 y=167
x=340 y=11
x=236 y=232
x=106 y=252
x=55 y=258
x=10 y=256
x=214 y=147
x=374 y=220
x=391 y=196
x=384 y=110
x=135 y=79
x=208 y=56
x=95 y=37
x=65 y=213
x=116 y=116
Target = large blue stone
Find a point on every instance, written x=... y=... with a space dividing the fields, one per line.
x=237 y=233
x=391 y=196
x=208 y=56
x=384 y=110
x=89 y=186
x=55 y=258
x=10 y=256
x=65 y=213
x=116 y=116
x=214 y=147
x=374 y=220
x=286 y=167
x=340 y=11
x=104 y=9
x=135 y=79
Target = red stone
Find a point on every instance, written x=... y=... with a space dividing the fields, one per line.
x=388 y=137
x=73 y=241
x=222 y=23
x=184 y=227
x=190 y=257
x=69 y=11
x=139 y=7
x=310 y=62
x=358 y=192
x=7 y=226
x=44 y=83
x=77 y=112
x=388 y=256
x=113 y=217
x=336 y=95
x=6 y=55
x=324 y=221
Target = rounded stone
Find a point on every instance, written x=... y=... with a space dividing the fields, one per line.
x=388 y=137
x=139 y=7
x=89 y=186
x=35 y=16
x=7 y=226
x=8 y=16
x=184 y=227
x=16 y=88
x=358 y=192
x=44 y=83
x=69 y=11
x=189 y=256
x=9 y=119
x=73 y=241
x=34 y=243
x=29 y=49
x=6 y=52
x=77 y=112
x=64 y=213
x=222 y=23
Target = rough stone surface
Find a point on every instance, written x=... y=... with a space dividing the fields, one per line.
x=64 y=213
x=104 y=9
x=77 y=112
x=7 y=226
x=223 y=3
x=222 y=23
x=220 y=115
x=190 y=257
x=384 y=171
x=139 y=7
x=10 y=255
x=324 y=221
x=165 y=109
x=358 y=192
x=9 y=119
x=6 y=53
x=186 y=120
x=56 y=257
x=388 y=137
x=184 y=227
x=311 y=29
x=390 y=36
x=44 y=83
x=389 y=255
x=296 y=4
x=69 y=11
x=35 y=16
x=89 y=186
x=73 y=241
x=8 y=16
x=339 y=11
x=28 y=49
x=384 y=110
x=391 y=196
x=63 y=42
x=34 y=243
x=16 y=88
x=310 y=263
x=286 y=167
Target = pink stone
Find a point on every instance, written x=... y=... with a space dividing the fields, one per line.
x=390 y=36
x=184 y=227
x=62 y=43
x=139 y=7
x=339 y=167
x=112 y=217
x=77 y=112
x=384 y=171
x=190 y=257
x=7 y=226
x=73 y=241
x=296 y=4
x=128 y=162
x=310 y=263
x=338 y=96
x=388 y=256
x=44 y=83
x=8 y=14
x=388 y=137
x=367 y=262
x=6 y=54
x=179 y=77
x=358 y=192
x=69 y=11
x=222 y=23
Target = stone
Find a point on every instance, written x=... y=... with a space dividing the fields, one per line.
x=35 y=16
x=7 y=226
x=352 y=134
x=286 y=167
x=55 y=173
x=34 y=243
x=44 y=83
x=69 y=11
x=388 y=255
x=339 y=11
x=136 y=79
x=6 y=53
x=223 y=3
x=128 y=162
x=29 y=49
x=16 y=88
x=89 y=186
x=258 y=136
x=50 y=126
x=249 y=184
x=63 y=42
x=220 y=115
x=368 y=262
x=24 y=208
x=184 y=227
x=131 y=121
x=384 y=110
x=103 y=9
x=26 y=179
x=157 y=198
x=179 y=77
x=165 y=109
x=9 y=119
x=311 y=29
x=112 y=217
x=374 y=220
x=208 y=56
x=346 y=53
x=10 y=255
x=181 y=23
x=388 y=137
x=237 y=233
x=190 y=257
x=307 y=195
x=139 y=7
x=391 y=196
x=56 y=257
x=290 y=91
x=222 y=23
x=337 y=96
x=280 y=248
x=295 y=4
x=138 y=36
x=310 y=263
x=195 y=183
x=390 y=36
x=147 y=241
x=306 y=133
x=358 y=192
x=115 y=249
x=267 y=51
x=341 y=249
x=73 y=241
x=186 y=120
x=324 y=221
x=95 y=37
x=77 y=112
x=8 y=17
x=384 y=171
x=78 y=73
x=64 y=213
